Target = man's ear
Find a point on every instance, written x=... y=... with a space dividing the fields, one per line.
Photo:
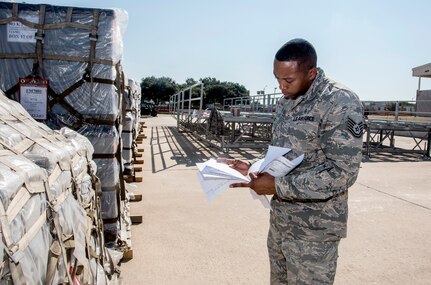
x=312 y=73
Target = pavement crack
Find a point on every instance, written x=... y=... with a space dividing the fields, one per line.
x=394 y=196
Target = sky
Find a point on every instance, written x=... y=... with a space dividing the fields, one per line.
x=370 y=46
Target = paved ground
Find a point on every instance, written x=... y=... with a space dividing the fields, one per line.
x=186 y=240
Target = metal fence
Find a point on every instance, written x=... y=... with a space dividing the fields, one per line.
x=386 y=121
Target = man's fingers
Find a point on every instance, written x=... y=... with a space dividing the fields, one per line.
x=234 y=185
x=233 y=163
x=225 y=160
x=254 y=175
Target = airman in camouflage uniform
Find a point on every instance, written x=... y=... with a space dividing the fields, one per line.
x=324 y=121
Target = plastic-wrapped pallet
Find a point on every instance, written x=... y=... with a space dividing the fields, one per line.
x=132 y=99
x=78 y=50
x=89 y=199
x=76 y=249
x=128 y=144
x=135 y=89
x=127 y=132
x=27 y=239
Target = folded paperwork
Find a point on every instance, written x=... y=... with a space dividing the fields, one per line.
x=215 y=177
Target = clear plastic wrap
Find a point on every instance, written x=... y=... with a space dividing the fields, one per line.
x=109 y=203
x=129 y=99
x=105 y=139
x=127 y=138
x=71 y=42
x=128 y=122
x=92 y=108
x=127 y=155
x=71 y=54
x=108 y=170
x=82 y=145
x=137 y=107
x=111 y=233
x=132 y=98
x=34 y=258
x=65 y=163
x=65 y=60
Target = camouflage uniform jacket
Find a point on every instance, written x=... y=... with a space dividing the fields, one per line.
x=326 y=125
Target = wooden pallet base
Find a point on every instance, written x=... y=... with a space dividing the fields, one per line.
x=136 y=219
x=131 y=178
x=138 y=169
x=141 y=150
x=138 y=161
x=137 y=154
x=136 y=198
x=127 y=255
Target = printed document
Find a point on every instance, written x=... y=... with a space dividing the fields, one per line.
x=215 y=177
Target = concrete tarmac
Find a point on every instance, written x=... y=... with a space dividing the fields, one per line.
x=186 y=240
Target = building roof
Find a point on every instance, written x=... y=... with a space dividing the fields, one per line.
x=422 y=71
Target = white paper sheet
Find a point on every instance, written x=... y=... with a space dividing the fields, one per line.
x=262 y=198
x=273 y=153
x=213 y=187
x=281 y=166
x=214 y=167
x=215 y=177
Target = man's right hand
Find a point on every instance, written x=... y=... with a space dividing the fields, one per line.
x=239 y=165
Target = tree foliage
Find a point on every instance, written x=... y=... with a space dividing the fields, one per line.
x=158 y=89
x=215 y=91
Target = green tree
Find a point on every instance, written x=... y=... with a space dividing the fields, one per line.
x=158 y=89
x=189 y=82
x=390 y=106
x=216 y=91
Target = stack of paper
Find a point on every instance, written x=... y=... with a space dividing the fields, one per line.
x=215 y=177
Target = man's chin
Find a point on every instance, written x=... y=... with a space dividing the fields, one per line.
x=290 y=96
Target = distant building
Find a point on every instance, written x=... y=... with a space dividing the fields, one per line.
x=374 y=107
x=423 y=97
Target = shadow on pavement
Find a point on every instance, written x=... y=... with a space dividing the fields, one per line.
x=394 y=157
x=170 y=148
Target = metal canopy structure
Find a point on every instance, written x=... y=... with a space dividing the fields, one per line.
x=249 y=130
x=380 y=137
x=422 y=70
x=251 y=127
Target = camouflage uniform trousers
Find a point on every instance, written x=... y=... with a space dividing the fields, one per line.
x=299 y=262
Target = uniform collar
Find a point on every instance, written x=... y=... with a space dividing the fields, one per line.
x=311 y=92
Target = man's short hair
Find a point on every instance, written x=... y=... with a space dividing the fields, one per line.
x=298 y=50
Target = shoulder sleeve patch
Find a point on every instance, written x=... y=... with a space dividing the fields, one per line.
x=355 y=126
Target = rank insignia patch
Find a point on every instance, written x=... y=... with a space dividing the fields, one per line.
x=356 y=129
